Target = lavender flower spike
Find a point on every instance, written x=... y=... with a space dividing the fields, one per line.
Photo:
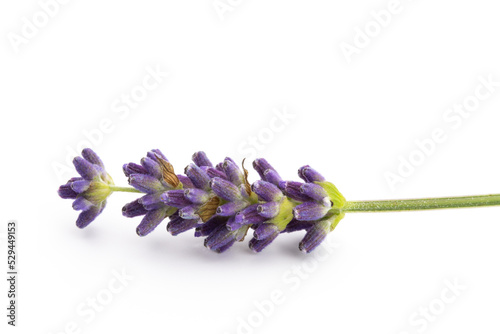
x=89 y=191
x=218 y=202
x=154 y=177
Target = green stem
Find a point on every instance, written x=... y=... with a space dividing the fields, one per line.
x=124 y=189
x=422 y=203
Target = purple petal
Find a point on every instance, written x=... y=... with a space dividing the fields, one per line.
x=272 y=176
x=308 y=174
x=134 y=209
x=264 y=231
x=292 y=190
x=233 y=225
x=220 y=240
x=220 y=167
x=81 y=204
x=199 y=178
x=175 y=198
x=230 y=209
x=152 y=167
x=268 y=210
x=150 y=221
x=314 y=191
x=225 y=189
x=257 y=245
x=177 y=225
x=314 y=236
x=196 y=196
x=65 y=191
x=296 y=225
x=232 y=171
x=210 y=225
x=261 y=165
x=151 y=201
x=189 y=212
x=145 y=183
x=225 y=247
x=249 y=215
x=212 y=172
x=86 y=217
x=153 y=153
x=80 y=186
x=267 y=191
x=186 y=182
x=73 y=179
x=201 y=159
x=92 y=157
x=86 y=169
x=133 y=168
x=310 y=211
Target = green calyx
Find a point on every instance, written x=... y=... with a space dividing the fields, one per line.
x=285 y=214
x=97 y=192
x=338 y=200
x=100 y=188
x=333 y=217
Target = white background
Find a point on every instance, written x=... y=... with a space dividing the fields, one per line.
x=351 y=121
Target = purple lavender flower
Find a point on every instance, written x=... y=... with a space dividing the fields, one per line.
x=89 y=191
x=231 y=191
x=319 y=211
x=154 y=177
x=314 y=195
x=273 y=212
x=230 y=206
x=266 y=171
x=211 y=206
x=209 y=203
x=196 y=202
x=218 y=202
x=314 y=205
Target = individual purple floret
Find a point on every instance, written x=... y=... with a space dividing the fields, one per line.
x=308 y=174
x=177 y=225
x=89 y=191
x=310 y=211
x=263 y=235
x=266 y=171
x=154 y=176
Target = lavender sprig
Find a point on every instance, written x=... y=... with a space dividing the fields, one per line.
x=221 y=205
